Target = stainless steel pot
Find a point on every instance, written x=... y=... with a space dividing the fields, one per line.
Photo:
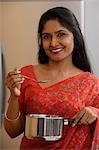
x=47 y=127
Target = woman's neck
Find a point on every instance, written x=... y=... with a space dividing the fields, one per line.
x=61 y=66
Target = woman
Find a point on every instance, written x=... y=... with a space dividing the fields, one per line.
x=70 y=90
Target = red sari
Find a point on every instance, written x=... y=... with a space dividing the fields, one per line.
x=65 y=99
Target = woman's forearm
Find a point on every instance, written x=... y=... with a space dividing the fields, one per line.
x=13 y=107
x=13 y=120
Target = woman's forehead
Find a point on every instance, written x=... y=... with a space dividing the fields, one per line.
x=53 y=25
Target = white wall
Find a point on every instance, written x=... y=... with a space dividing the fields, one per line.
x=0 y=68
x=92 y=32
x=0 y=23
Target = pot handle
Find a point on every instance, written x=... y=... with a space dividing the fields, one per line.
x=68 y=121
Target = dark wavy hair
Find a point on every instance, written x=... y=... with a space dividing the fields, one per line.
x=67 y=19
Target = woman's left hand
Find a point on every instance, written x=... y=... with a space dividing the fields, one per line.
x=85 y=116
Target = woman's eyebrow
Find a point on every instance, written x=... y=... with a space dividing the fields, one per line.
x=60 y=31
x=54 y=32
x=45 y=33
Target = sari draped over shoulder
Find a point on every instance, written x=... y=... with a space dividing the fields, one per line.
x=65 y=99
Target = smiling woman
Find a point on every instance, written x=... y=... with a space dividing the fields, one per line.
x=71 y=90
x=57 y=41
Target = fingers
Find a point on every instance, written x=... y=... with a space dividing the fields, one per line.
x=78 y=117
x=84 y=119
x=91 y=119
x=13 y=77
x=13 y=80
x=85 y=116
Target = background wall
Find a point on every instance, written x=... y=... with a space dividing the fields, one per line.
x=91 y=30
x=0 y=66
x=0 y=21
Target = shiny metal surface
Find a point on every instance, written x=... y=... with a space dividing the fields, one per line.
x=39 y=126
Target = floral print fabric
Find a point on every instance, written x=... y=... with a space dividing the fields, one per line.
x=65 y=99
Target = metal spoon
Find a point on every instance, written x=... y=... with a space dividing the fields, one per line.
x=40 y=81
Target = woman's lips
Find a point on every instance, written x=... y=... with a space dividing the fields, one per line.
x=56 y=50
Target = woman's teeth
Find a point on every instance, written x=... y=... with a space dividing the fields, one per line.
x=56 y=50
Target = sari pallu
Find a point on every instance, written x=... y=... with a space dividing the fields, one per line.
x=65 y=99
x=95 y=142
x=83 y=141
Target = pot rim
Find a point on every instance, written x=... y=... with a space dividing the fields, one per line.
x=43 y=116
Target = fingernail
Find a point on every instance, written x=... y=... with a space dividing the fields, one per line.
x=18 y=71
x=73 y=124
x=23 y=79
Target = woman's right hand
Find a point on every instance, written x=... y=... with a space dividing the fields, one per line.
x=13 y=81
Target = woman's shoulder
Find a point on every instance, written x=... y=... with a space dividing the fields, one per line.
x=26 y=70
x=29 y=67
x=91 y=78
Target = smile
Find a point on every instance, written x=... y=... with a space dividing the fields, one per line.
x=56 y=50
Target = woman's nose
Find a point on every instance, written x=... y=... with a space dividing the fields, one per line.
x=53 y=41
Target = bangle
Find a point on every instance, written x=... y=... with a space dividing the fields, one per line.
x=8 y=119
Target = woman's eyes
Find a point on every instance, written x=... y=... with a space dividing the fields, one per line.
x=61 y=34
x=45 y=37
x=57 y=36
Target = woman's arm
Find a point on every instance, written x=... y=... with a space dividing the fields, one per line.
x=13 y=119
x=90 y=113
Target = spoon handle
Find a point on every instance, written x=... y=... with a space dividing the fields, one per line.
x=40 y=81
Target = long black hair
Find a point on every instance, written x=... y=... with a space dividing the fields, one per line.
x=67 y=19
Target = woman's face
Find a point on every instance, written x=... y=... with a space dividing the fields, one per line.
x=57 y=41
